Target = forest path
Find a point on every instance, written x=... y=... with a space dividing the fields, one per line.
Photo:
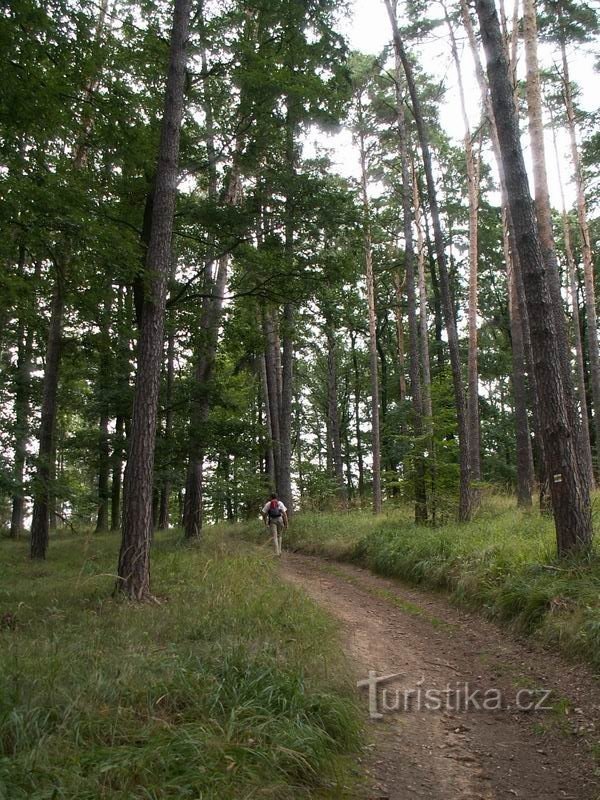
x=449 y=754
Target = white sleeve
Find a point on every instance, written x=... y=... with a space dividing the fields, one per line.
x=266 y=508
x=282 y=507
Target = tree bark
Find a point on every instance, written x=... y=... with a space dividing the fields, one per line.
x=465 y=497
x=568 y=480
x=134 y=558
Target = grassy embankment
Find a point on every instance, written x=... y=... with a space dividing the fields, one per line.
x=232 y=687
x=502 y=563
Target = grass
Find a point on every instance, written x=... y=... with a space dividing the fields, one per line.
x=502 y=563
x=232 y=687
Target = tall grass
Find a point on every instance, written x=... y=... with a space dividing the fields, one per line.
x=232 y=686
x=502 y=563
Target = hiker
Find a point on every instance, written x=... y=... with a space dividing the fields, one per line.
x=275 y=518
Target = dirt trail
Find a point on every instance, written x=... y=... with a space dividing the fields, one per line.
x=449 y=754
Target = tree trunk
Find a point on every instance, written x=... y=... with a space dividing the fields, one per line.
x=370 y=280
x=134 y=558
x=420 y=489
x=40 y=522
x=520 y=339
x=465 y=499
x=272 y=383
x=586 y=448
x=540 y=181
x=568 y=480
x=586 y=252
x=472 y=161
x=269 y=459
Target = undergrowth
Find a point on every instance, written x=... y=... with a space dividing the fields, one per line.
x=231 y=686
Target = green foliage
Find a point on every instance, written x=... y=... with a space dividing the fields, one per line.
x=230 y=686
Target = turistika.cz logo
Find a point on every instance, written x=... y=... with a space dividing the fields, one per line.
x=459 y=697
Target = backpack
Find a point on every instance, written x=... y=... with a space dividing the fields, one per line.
x=274 y=510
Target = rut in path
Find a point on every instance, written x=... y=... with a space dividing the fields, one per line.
x=449 y=754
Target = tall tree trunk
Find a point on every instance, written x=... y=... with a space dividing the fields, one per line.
x=540 y=181
x=586 y=448
x=134 y=557
x=520 y=339
x=420 y=489
x=465 y=498
x=272 y=370
x=472 y=161
x=205 y=362
x=568 y=479
x=269 y=458
x=586 y=251
x=40 y=522
x=424 y=349
x=370 y=280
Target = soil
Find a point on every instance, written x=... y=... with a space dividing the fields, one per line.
x=457 y=751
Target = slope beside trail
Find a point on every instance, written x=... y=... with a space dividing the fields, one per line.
x=449 y=754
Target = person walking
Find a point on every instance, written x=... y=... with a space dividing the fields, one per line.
x=275 y=517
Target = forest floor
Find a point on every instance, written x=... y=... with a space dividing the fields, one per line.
x=445 y=754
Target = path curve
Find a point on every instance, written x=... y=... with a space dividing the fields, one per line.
x=449 y=754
